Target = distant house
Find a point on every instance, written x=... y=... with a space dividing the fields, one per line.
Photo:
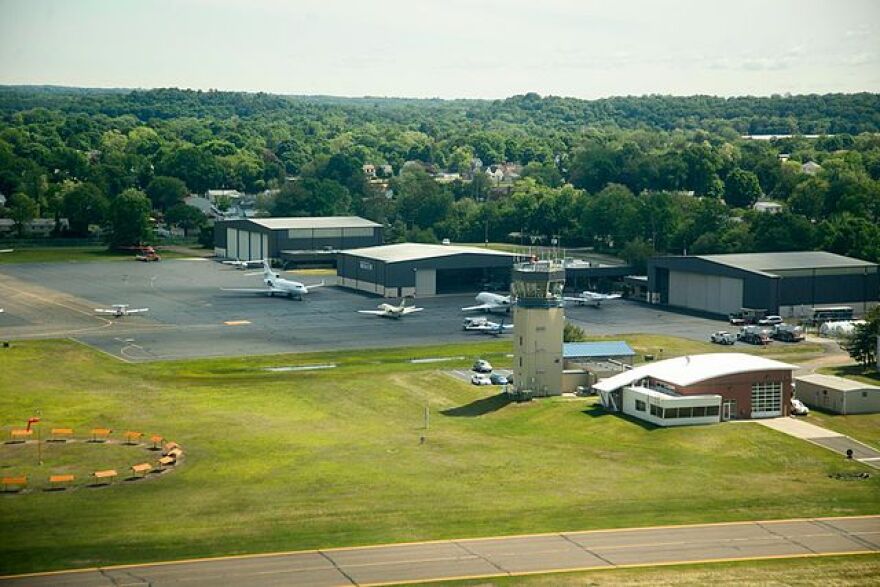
x=2 y=200
x=783 y=157
x=446 y=177
x=213 y=195
x=811 y=168
x=495 y=173
x=36 y=227
x=768 y=207
x=369 y=170
x=385 y=170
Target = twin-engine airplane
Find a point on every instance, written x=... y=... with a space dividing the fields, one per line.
x=120 y=310
x=484 y=326
x=590 y=298
x=490 y=302
x=239 y=264
x=275 y=284
x=391 y=311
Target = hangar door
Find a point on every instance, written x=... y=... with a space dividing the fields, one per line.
x=426 y=282
x=232 y=243
x=709 y=293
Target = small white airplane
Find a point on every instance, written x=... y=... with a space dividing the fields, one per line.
x=391 y=311
x=6 y=250
x=591 y=298
x=120 y=310
x=239 y=264
x=275 y=284
x=490 y=302
x=484 y=326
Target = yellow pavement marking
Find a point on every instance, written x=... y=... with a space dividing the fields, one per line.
x=236 y=322
x=452 y=540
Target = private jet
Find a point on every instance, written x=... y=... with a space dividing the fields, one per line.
x=120 y=310
x=275 y=284
x=391 y=311
x=490 y=302
x=483 y=326
x=239 y=264
x=591 y=298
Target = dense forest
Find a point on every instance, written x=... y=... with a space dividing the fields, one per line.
x=630 y=175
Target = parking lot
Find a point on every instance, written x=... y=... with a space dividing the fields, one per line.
x=191 y=317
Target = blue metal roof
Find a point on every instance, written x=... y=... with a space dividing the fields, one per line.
x=612 y=348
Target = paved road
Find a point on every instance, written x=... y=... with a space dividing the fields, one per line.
x=496 y=556
x=187 y=309
x=834 y=441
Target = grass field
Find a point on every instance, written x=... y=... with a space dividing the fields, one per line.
x=71 y=254
x=293 y=460
x=806 y=572
x=869 y=375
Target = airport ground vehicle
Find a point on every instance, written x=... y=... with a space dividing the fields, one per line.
x=482 y=366
x=798 y=408
x=478 y=379
x=746 y=316
x=498 y=379
x=754 y=335
x=723 y=337
x=772 y=320
x=788 y=333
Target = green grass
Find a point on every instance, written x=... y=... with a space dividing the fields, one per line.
x=818 y=572
x=869 y=375
x=72 y=254
x=294 y=460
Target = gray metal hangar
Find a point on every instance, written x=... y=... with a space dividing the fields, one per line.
x=412 y=269
x=789 y=284
x=268 y=238
x=837 y=394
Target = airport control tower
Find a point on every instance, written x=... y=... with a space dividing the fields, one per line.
x=539 y=320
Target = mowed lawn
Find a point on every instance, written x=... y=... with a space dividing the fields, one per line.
x=295 y=460
x=72 y=254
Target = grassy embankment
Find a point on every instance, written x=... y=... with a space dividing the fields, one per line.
x=805 y=572
x=293 y=460
x=73 y=254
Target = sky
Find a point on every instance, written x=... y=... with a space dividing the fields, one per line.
x=447 y=48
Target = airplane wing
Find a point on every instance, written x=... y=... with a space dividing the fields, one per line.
x=411 y=310
x=104 y=311
x=482 y=307
x=263 y=290
x=575 y=299
x=373 y=312
x=313 y=286
x=138 y=310
x=611 y=296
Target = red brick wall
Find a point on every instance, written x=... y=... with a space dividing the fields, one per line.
x=739 y=387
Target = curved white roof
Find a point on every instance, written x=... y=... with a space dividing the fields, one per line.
x=692 y=369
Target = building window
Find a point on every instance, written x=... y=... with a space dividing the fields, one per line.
x=366 y=265
x=699 y=411
x=712 y=410
x=640 y=405
x=766 y=398
x=655 y=411
x=669 y=413
x=864 y=394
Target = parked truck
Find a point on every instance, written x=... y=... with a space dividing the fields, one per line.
x=747 y=316
x=755 y=335
x=788 y=333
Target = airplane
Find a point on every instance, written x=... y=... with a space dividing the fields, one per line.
x=483 y=326
x=591 y=297
x=239 y=264
x=6 y=250
x=489 y=302
x=389 y=311
x=275 y=284
x=120 y=310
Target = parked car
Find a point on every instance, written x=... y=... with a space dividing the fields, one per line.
x=798 y=408
x=445 y=241
x=482 y=366
x=498 y=379
x=772 y=320
x=789 y=333
x=478 y=379
x=723 y=337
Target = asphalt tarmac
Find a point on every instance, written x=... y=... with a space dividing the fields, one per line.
x=191 y=317
x=494 y=557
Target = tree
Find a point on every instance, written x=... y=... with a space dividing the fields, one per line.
x=197 y=168
x=741 y=189
x=129 y=219
x=573 y=333
x=422 y=202
x=166 y=192
x=22 y=210
x=84 y=205
x=862 y=345
x=186 y=217
x=808 y=197
x=637 y=252
x=312 y=197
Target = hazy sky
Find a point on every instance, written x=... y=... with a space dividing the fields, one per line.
x=446 y=48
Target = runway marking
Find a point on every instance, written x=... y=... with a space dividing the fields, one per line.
x=236 y=322
x=300 y=368
x=436 y=359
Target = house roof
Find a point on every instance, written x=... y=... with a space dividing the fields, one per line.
x=314 y=222
x=690 y=369
x=417 y=251
x=611 y=348
x=767 y=263
x=836 y=383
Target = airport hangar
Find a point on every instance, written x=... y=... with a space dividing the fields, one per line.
x=788 y=284
x=294 y=238
x=414 y=269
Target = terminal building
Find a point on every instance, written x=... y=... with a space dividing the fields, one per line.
x=788 y=284
x=700 y=389
x=414 y=269
x=249 y=239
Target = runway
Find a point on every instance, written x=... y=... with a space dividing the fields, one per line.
x=191 y=317
x=496 y=557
